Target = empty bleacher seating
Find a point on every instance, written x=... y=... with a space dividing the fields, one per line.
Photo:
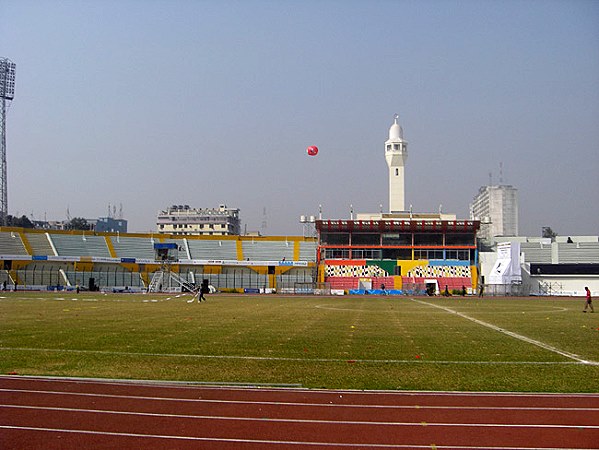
x=307 y=251
x=535 y=252
x=80 y=245
x=133 y=247
x=206 y=249
x=583 y=252
x=11 y=244
x=40 y=245
x=262 y=250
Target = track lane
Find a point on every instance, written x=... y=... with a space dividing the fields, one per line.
x=165 y=416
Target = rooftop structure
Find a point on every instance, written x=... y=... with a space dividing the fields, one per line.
x=183 y=220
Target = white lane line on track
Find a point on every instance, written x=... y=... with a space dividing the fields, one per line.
x=303 y=421
x=512 y=334
x=304 y=360
x=178 y=385
x=298 y=404
x=278 y=443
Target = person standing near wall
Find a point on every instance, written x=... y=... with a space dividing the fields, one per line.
x=589 y=302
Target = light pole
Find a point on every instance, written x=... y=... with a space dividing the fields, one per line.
x=7 y=93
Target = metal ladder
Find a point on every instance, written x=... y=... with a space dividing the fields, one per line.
x=157 y=279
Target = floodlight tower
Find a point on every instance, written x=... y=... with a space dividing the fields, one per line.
x=7 y=93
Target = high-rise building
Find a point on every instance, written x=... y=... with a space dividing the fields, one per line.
x=497 y=209
x=183 y=220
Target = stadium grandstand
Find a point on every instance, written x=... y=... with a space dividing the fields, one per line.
x=559 y=266
x=55 y=260
x=348 y=256
x=400 y=253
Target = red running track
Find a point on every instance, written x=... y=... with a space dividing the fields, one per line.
x=55 y=413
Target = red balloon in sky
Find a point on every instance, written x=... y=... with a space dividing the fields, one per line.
x=312 y=150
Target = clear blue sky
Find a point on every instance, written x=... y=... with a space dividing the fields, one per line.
x=152 y=103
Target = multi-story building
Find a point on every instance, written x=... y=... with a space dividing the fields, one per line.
x=497 y=209
x=110 y=225
x=183 y=220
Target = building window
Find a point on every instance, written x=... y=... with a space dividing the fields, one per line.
x=428 y=239
x=366 y=253
x=420 y=254
x=336 y=253
x=334 y=238
x=435 y=254
x=366 y=239
x=464 y=255
x=459 y=239
x=397 y=239
x=397 y=253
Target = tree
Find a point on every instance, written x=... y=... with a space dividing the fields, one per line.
x=22 y=222
x=548 y=233
x=78 y=223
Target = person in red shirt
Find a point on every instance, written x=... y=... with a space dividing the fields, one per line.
x=589 y=302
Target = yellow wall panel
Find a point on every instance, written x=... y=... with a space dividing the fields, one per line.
x=26 y=243
x=406 y=266
x=239 y=251
x=110 y=246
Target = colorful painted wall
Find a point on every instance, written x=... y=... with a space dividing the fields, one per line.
x=347 y=274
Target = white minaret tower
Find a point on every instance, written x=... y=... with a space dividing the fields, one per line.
x=396 y=153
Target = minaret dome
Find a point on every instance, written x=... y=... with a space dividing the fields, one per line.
x=395 y=131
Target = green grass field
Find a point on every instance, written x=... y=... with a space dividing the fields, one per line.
x=530 y=344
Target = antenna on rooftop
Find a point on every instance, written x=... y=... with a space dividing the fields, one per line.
x=264 y=223
x=500 y=173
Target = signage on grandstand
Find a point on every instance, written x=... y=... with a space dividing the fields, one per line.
x=193 y=262
x=223 y=262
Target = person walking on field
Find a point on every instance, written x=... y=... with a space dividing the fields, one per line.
x=589 y=302
x=204 y=289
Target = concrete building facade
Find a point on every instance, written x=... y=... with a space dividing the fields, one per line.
x=180 y=220
x=496 y=207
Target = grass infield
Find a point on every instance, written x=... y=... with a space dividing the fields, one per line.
x=466 y=344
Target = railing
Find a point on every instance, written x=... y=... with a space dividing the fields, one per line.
x=550 y=288
x=505 y=290
x=52 y=278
